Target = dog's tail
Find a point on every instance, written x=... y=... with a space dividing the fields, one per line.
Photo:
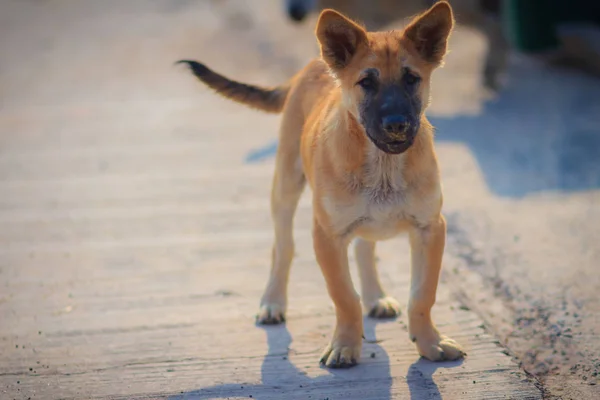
x=270 y=100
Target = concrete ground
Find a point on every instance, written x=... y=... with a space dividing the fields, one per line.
x=135 y=224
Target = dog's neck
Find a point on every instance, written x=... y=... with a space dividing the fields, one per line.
x=380 y=172
x=383 y=172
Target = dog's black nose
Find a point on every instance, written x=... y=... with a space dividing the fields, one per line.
x=395 y=124
x=296 y=12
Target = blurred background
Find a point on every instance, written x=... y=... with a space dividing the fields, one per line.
x=130 y=196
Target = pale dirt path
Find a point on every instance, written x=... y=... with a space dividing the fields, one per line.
x=136 y=234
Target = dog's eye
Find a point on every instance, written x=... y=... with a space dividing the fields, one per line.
x=411 y=78
x=367 y=83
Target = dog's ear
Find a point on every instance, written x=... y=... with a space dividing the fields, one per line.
x=339 y=38
x=429 y=32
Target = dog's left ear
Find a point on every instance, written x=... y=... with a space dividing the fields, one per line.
x=429 y=32
x=339 y=38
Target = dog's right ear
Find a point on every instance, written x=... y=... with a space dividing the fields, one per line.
x=339 y=38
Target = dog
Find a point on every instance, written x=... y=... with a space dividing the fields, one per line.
x=482 y=15
x=354 y=128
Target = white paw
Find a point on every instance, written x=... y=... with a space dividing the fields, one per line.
x=271 y=314
x=385 y=307
x=341 y=356
x=436 y=347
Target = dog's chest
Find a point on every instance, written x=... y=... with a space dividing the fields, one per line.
x=373 y=219
x=378 y=208
x=383 y=217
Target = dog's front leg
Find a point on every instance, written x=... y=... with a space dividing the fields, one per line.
x=427 y=247
x=332 y=255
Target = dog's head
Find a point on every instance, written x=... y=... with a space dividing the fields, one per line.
x=385 y=76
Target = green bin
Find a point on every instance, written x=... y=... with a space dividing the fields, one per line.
x=531 y=25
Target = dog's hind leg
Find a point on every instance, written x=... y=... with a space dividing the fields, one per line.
x=374 y=299
x=288 y=183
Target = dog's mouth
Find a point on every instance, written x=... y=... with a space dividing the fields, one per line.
x=397 y=146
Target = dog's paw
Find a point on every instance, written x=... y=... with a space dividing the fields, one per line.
x=270 y=314
x=340 y=356
x=385 y=307
x=436 y=347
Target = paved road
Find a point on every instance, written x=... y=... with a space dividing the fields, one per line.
x=527 y=230
x=136 y=231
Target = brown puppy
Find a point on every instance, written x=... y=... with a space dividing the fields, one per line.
x=354 y=127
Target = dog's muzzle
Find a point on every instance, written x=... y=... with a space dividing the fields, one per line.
x=396 y=134
x=396 y=126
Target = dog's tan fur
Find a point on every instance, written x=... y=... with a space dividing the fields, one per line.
x=358 y=190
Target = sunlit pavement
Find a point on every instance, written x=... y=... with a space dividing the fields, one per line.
x=136 y=229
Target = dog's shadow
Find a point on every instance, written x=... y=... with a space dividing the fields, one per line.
x=371 y=379
x=420 y=378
